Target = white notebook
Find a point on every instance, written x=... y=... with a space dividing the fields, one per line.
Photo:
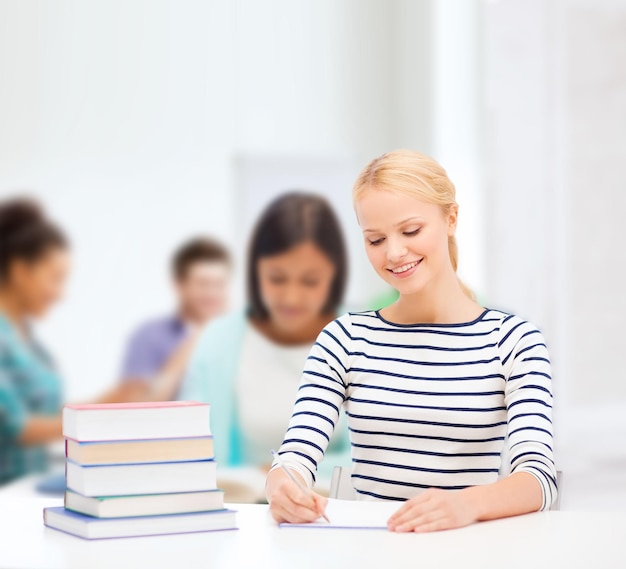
x=350 y=514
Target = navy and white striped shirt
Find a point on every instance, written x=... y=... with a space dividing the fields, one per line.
x=428 y=405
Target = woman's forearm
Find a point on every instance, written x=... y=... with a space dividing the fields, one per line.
x=40 y=430
x=519 y=493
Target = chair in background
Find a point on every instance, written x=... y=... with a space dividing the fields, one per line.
x=341 y=484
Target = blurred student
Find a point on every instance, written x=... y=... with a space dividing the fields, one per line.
x=247 y=364
x=34 y=264
x=449 y=403
x=159 y=350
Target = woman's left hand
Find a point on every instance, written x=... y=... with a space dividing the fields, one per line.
x=434 y=510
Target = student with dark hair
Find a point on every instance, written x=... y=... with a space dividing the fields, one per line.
x=159 y=350
x=34 y=264
x=247 y=364
x=33 y=268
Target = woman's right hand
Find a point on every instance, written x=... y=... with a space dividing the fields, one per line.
x=290 y=504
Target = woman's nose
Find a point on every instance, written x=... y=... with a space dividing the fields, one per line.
x=396 y=251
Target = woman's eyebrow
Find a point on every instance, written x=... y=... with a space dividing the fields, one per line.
x=414 y=218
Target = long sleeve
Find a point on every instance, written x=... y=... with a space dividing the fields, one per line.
x=140 y=361
x=528 y=400
x=13 y=413
x=29 y=386
x=321 y=395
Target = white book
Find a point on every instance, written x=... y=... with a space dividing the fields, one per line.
x=98 y=528
x=132 y=479
x=352 y=514
x=134 y=421
x=146 y=505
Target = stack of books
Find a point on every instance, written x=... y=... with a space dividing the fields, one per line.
x=139 y=469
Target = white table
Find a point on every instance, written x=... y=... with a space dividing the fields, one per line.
x=552 y=539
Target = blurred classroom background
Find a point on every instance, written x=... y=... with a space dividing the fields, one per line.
x=140 y=124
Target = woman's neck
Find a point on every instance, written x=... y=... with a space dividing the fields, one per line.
x=441 y=302
x=305 y=335
x=11 y=308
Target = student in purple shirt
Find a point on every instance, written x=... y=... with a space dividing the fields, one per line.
x=158 y=350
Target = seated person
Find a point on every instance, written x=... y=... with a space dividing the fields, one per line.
x=34 y=263
x=158 y=351
x=247 y=364
x=449 y=403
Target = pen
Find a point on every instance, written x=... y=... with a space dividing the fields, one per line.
x=298 y=483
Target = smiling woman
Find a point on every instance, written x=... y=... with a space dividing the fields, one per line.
x=437 y=389
x=434 y=219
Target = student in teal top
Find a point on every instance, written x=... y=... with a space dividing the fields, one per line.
x=34 y=264
x=248 y=365
x=33 y=267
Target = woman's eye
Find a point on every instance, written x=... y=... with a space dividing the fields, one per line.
x=411 y=233
x=377 y=241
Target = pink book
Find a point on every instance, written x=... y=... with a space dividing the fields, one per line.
x=134 y=405
x=136 y=421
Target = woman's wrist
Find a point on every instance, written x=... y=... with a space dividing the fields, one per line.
x=271 y=481
x=275 y=478
x=476 y=498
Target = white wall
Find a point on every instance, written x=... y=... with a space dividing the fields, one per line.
x=120 y=115
x=595 y=82
x=556 y=149
x=556 y=97
x=525 y=176
x=127 y=117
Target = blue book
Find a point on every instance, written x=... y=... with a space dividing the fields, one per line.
x=88 y=527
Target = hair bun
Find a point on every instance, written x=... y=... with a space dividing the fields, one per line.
x=16 y=214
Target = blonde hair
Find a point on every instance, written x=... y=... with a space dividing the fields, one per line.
x=411 y=173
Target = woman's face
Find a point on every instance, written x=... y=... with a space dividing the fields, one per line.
x=40 y=283
x=406 y=239
x=295 y=285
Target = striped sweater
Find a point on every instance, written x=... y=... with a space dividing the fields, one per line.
x=428 y=405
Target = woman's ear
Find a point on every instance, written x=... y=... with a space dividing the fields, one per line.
x=452 y=217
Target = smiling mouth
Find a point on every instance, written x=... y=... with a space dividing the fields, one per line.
x=404 y=268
